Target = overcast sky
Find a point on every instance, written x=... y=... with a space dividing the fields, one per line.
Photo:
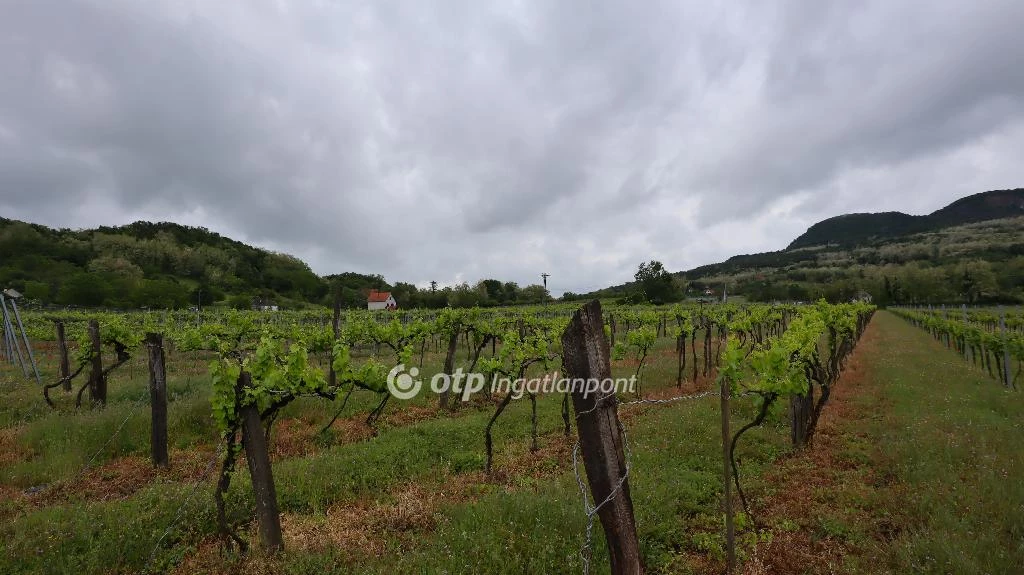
x=449 y=141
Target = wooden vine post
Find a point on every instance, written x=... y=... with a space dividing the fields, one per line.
x=256 y=455
x=97 y=383
x=730 y=528
x=945 y=335
x=681 y=360
x=158 y=399
x=586 y=356
x=62 y=349
x=968 y=348
x=800 y=409
x=444 y=399
x=1007 y=380
x=332 y=377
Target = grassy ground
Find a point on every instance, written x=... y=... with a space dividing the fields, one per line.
x=350 y=499
x=951 y=444
x=912 y=471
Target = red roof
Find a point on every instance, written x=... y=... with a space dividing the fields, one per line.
x=378 y=296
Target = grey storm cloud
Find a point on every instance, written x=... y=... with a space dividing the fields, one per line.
x=458 y=140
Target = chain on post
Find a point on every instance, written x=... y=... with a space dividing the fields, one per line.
x=586 y=550
x=591 y=510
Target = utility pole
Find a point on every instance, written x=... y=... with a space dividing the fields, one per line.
x=545 y=277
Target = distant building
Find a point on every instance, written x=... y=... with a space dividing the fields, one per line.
x=380 y=300
x=264 y=305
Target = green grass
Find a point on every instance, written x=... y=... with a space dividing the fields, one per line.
x=675 y=488
x=943 y=434
x=675 y=457
x=952 y=437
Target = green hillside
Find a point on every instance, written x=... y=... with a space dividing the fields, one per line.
x=147 y=265
x=971 y=263
x=971 y=251
x=859 y=229
x=167 y=265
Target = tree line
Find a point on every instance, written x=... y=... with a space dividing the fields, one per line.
x=351 y=289
x=169 y=266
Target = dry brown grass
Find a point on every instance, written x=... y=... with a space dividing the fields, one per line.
x=807 y=484
x=358 y=529
x=11 y=450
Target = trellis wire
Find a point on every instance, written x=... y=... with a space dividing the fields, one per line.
x=591 y=511
x=181 y=508
x=587 y=548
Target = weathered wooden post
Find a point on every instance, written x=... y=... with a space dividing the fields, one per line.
x=62 y=349
x=97 y=383
x=968 y=348
x=945 y=316
x=707 y=346
x=158 y=399
x=681 y=359
x=1007 y=379
x=730 y=528
x=693 y=350
x=586 y=358
x=332 y=377
x=256 y=455
x=800 y=407
x=449 y=366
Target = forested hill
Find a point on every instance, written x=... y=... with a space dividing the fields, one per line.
x=971 y=251
x=167 y=265
x=856 y=229
x=146 y=264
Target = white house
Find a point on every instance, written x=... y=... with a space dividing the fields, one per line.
x=381 y=300
x=862 y=296
x=260 y=304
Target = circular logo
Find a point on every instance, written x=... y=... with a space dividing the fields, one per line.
x=404 y=385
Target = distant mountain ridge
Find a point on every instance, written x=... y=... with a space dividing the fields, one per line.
x=856 y=229
x=969 y=251
x=973 y=246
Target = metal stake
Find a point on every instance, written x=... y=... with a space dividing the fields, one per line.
x=9 y=328
x=24 y=336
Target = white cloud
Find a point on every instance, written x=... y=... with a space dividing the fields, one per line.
x=458 y=140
